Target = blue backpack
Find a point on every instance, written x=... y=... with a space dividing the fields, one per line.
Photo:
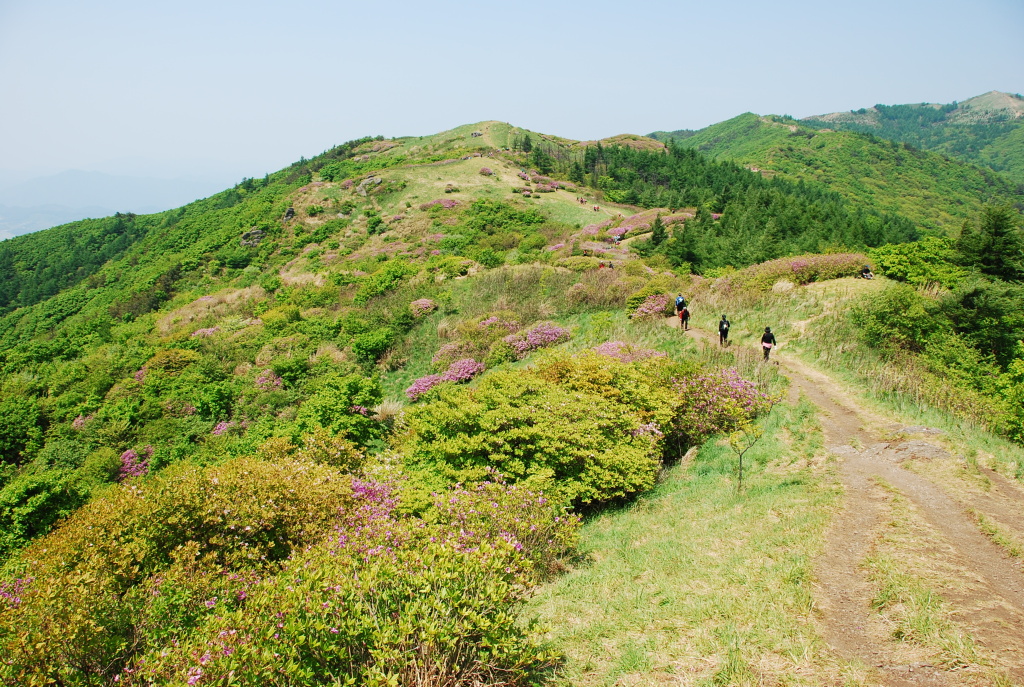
x=680 y=302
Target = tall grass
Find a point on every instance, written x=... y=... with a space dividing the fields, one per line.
x=694 y=580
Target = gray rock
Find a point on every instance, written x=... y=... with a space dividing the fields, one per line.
x=919 y=450
x=252 y=238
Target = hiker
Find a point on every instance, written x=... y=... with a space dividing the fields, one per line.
x=684 y=319
x=600 y=266
x=866 y=273
x=767 y=341
x=680 y=303
x=723 y=331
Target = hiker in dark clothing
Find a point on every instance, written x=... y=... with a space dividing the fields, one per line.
x=684 y=318
x=680 y=303
x=723 y=331
x=768 y=341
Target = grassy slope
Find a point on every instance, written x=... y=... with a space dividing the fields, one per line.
x=965 y=133
x=931 y=190
x=691 y=580
x=697 y=582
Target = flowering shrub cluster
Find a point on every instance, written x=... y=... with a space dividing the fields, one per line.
x=10 y=592
x=573 y=420
x=349 y=609
x=268 y=380
x=446 y=203
x=459 y=371
x=523 y=175
x=221 y=428
x=653 y=308
x=554 y=247
x=137 y=568
x=716 y=402
x=80 y=420
x=422 y=306
x=486 y=171
x=539 y=335
x=134 y=464
x=625 y=352
x=802 y=269
x=203 y=333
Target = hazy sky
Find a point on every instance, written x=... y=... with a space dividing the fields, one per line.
x=223 y=86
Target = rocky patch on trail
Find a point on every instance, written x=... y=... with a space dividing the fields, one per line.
x=918 y=450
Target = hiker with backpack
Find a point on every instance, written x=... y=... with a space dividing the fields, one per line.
x=680 y=303
x=768 y=341
x=684 y=318
x=723 y=331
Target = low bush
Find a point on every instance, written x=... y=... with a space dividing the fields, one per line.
x=390 y=600
x=140 y=566
x=802 y=269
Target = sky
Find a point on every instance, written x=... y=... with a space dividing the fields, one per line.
x=224 y=88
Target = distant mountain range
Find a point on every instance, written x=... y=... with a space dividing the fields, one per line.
x=903 y=158
x=47 y=201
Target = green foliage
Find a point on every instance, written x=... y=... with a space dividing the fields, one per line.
x=932 y=260
x=382 y=281
x=898 y=318
x=21 y=429
x=341 y=404
x=573 y=422
x=104 y=585
x=370 y=346
x=996 y=245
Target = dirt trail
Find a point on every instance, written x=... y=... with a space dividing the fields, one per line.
x=989 y=606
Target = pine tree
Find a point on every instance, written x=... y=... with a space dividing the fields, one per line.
x=658 y=234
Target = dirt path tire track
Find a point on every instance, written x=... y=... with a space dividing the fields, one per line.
x=996 y=620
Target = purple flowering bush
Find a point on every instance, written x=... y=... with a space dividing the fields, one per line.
x=539 y=335
x=268 y=380
x=716 y=403
x=802 y=269
x=486 y=171
x=147 y=560
x=422 y=306
x=625 y=352
x=134 y=463
x=459 y=371
x=388 y=597
x=653 y=308
x=446 y=203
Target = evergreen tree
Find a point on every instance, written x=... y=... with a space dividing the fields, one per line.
x=996 y=245
x=658 y=233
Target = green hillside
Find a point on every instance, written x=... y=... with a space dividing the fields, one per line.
x=369 y=419
x=985 y=130
x=934 y=191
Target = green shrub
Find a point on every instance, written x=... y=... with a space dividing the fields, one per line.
x=314 y=210
x=580 y=263
x=384 y=280
x=21 y=429
x=928 y=261
x=536 y=427
x=370 y=346
x=341 y=404
x=142 y=564
x=898 y=318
